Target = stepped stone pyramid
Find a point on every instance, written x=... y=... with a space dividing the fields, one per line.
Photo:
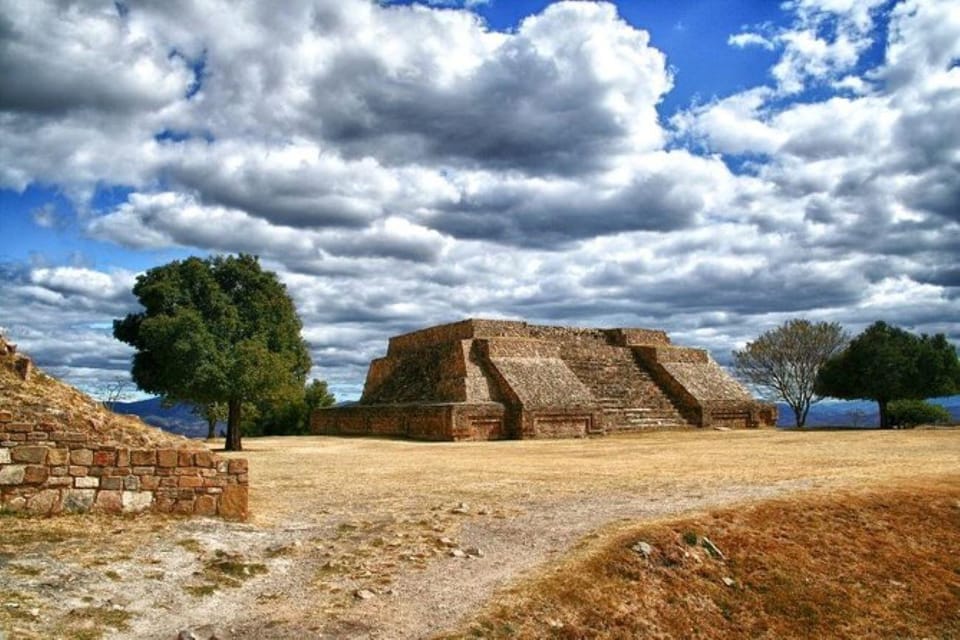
x=494 y=379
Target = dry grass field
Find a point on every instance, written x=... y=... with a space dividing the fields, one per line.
x=373 y=538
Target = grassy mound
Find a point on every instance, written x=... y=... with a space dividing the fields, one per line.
x=874 y=564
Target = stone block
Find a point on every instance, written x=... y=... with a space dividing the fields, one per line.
x=18 y=427
x=136 y=501
x=5 y=456
x=123 y=457
x=169 y=482
x=131 y=483
x=149 y=483
x=6 y=416
x=60 y=471
x=143 y=471
x=166 y=458
x=203 y=459
x=44 y=502
x=109 y=502
x=59 y=481
x=191 y=482
x=78 y=500
x=104 y=458
x=12 y=474
x=184 y=506
x=58 y=456
x=205 y=506
x=35 y=474
x=86 y=482
x=78 y=471
x=238 y=465
x=111 y=483
x=184 y=458
x=143 y=457
x=81 y=457
x=233 y=502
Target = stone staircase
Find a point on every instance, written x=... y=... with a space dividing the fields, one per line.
x=628 y=396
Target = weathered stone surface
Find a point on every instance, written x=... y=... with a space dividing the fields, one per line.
x=78 y=500
x=136 y=501
x=81 y=457
x=44 y=502
x=205 y=506
x=86 y=482
x=109 y=501
x=35 y=474
x=12 y=474
x=5 y=457
x=167 y=458
x=58 y=457
x=104 y=458
x=29 y=455
x=233 y=502
x=143 y=457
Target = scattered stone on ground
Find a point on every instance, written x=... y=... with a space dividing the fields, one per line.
x=643 y=548
x=711 y=548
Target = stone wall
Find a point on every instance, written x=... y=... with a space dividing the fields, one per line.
x=62 y=452
x=46 y=469
x=442 y=422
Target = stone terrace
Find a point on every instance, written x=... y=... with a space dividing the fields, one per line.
x=493 y=379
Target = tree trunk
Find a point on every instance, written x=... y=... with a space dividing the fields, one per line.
x=211 y=428
x=884 y=420
x=233 y=426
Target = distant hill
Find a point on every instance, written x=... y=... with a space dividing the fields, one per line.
x=853 y=413
x=175 y=419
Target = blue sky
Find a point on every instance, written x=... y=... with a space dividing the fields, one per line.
x=709 y=168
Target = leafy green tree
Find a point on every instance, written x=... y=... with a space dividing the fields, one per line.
x=910 y=413
x=219 y=329
x=885 y=363
x=784 y=361
x=290 y=415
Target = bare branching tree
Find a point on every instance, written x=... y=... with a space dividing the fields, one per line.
x=785 y=361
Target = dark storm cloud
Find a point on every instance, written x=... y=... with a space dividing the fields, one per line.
x=516 y=111
x=532 y=216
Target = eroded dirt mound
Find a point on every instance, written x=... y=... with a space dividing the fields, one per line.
x=29 y=395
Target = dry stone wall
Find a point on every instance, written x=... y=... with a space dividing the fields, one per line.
x=62 y=453
x=438 y=383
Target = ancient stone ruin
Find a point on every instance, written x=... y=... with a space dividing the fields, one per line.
x=494 y=379
x=60 y=451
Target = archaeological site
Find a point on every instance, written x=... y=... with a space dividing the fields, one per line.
x=60 y=451
x=494 y=379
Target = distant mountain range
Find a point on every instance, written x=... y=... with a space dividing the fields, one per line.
x=828 y=413
x=176 y=419
x=853 y=413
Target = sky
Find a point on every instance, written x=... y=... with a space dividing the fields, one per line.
x=708 y=168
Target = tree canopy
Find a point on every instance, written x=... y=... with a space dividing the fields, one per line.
x=219 y=329
x=885 y=363
x=785 y=361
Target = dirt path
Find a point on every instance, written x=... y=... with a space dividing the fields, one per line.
x=357 y=538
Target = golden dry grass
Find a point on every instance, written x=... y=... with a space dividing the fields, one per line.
x=291 y=475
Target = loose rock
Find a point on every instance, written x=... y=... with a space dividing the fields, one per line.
x=728 y=581
x=363 y=594
x=643 y=548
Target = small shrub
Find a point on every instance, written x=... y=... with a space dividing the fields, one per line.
x=910 y=413
x=691 y=538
